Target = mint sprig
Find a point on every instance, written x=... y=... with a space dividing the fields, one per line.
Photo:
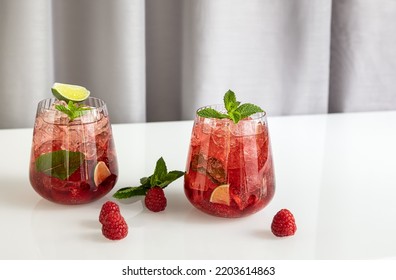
x=161 y=177
x=73 y=110
x=235 y=110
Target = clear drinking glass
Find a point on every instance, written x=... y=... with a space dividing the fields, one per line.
x=73 y=162
x=229 y=170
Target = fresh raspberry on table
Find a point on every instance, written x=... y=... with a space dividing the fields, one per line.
x=107 y=208
x=283 y=223
x=114 y=226
x=155 y=199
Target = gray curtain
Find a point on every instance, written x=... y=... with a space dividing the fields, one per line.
x=159 y=60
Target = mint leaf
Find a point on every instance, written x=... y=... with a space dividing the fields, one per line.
x=144 y=180
x=59 y=164
x=72 y=110
x=159 y=172
x=170 y=177
x=235 y=116
x=211 y=113
x=65 y=110
x=235 y=110
x=129 y=192
x=247 y=109
x=160 y=169
x=230 y=102
x=161 y=177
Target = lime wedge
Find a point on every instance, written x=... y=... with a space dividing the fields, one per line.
x=68 y=92
x=221 y=195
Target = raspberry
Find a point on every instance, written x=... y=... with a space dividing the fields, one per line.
x=113 y=218
x=114 y=226
x=107 y=208
x=155 y=199
x=283 y=224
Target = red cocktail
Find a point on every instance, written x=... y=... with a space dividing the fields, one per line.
x=73 y=161
x=229 y=169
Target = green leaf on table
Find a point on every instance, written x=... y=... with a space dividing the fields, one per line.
x=145 y=180
x=170 y=177
x=161 y=177
x=129 y=192
x=59 y=164
x=159 y=172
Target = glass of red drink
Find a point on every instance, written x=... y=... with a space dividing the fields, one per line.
x=230 y=170
x=73 y=161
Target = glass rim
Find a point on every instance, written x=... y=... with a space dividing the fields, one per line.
x=97 y=110
x=255 y=116
x=98 y=103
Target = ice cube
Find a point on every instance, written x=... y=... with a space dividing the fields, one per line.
x=90 y=116
x=58 y=102
x=54 y=116
x=243 y=128
x=89 y=150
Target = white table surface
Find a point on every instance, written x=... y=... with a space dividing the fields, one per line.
x=336 y=173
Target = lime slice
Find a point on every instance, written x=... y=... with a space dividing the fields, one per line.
x=101 y=173
x=221 y=195
x=68 y=92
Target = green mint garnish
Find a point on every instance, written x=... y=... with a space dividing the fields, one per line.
x=235 y=110
x=73 y=110
x=212 y=113
x=59 y=164
x=161 y=177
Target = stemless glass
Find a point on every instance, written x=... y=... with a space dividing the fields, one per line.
x=229 y=170
x=72 y=162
